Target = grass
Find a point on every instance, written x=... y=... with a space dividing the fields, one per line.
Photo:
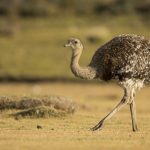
x=72 y=132
x=28 y=102
x=39 y=112
x=37 y=50
x=37 y=107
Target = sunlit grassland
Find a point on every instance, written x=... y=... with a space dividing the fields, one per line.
x=37 y=48
x=72 y=131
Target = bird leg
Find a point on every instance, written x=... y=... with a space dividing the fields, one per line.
x=133 y=112
x=122 y=103
x=133 y=116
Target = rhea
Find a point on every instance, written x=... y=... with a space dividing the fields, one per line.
x=125 y=59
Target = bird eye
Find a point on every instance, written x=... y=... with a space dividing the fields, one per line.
x=75 y=42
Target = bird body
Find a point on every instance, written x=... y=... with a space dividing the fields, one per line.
x=125 y=59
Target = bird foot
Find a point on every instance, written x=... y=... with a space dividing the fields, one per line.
x=135 y=129
x=98 y=126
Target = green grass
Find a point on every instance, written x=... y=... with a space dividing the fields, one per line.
x=37 y=50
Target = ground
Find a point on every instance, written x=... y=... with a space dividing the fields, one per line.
x=72 y=131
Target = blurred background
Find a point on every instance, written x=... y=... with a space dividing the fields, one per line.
x=32 y=38
x=33 y=32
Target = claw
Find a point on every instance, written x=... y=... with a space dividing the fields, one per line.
x=98 y=126
x=135 y=129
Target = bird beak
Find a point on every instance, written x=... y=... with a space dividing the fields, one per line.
x=67 y=45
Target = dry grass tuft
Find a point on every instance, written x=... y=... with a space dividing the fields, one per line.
x=39 y=112
x=35 y=107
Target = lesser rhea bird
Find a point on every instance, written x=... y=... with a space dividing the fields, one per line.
x=125 y=59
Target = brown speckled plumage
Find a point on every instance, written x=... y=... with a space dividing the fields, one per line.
x=125 y=59
x=125 y=56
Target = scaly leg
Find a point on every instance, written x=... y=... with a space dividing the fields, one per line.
x=133 y=112
x=133 y=116
x=122 y=103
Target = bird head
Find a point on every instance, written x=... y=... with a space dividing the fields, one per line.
x=74 y=43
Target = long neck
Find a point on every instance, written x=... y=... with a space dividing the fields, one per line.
x=84 y=73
